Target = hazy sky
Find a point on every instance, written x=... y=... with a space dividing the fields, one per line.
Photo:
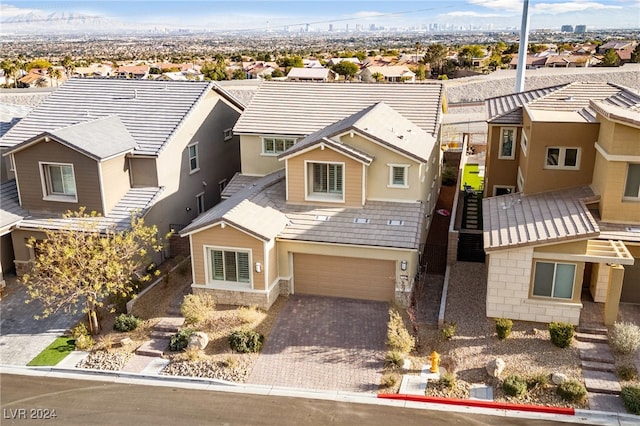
x=219 y=15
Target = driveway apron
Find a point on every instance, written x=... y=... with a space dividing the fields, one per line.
x=325 y=343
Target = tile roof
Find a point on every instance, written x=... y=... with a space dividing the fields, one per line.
x=10 y=115
x=310 y=73
x=391 y=70
x=261 y=210
x=516 y=220
x=508 y=109
x=152 y=111
x=297 y=108
x=237 y=182
x=10 y=210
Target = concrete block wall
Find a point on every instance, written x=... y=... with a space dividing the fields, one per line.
x=599 y=282
x=508 y=281
x=452 y=247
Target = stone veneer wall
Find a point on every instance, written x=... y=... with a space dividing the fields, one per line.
x=22 y=267
x=242 y=298
x=508 y=291
x=599 y=282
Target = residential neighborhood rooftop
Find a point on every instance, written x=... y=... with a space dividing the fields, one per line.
x=10 y=211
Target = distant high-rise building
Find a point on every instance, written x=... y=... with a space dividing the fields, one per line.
x=567 y=28
x=330 y=27
x=580 y=29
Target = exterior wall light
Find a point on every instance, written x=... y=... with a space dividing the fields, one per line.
x=403 y=265
x=258 y=267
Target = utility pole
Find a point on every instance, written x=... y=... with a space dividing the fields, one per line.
x=524 y=44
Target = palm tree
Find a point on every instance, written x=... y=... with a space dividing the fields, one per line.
x=418 y=47
x=55 y=73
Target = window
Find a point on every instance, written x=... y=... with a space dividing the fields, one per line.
x=222 y=185
x=228 y=134
x=200 y=202
x=12 y=166
x=507 y=135
x=554 y=280
x=562 y=158
x=520 y=181
x=59 y=183
x=275 y=146
x=229 y=265
x=398 y=175
x=632 y=185
x=325 y=181
x=194 y=164
x=524 y=143
x=503 y=189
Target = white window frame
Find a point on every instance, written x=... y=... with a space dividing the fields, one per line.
x=227 y=134
x=47 y=190
x=405 y=183
x=274 y=151
x=520 y=181
x=210 y=274
x=553 y=284
x=524 y=143
x=562 y=157
x=12 y=166
x=331 y=197
x=222 y=185
x=502 y=141
x=193 y=169
x=496 y=187
x=200 y=208
x=626 y=183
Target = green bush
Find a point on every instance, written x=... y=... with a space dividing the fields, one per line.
x=631 y=398
x=572 y=391
x=627 y=373
x=246 y=341
x=449 y=176
x=449 y=330
x=84 y=342
x=624 y=337
x=196 y=308
x=79 y=330
x=180 y=340
x=514 y=386
x=394 y=359
x=537 y=380
x=503 y=327
x=561 y=334
x=126 y=322
x=398 y=337
x=388 y=381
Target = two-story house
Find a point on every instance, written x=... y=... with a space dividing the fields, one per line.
x=164 y=149
x=335 y=197
x=563 y=218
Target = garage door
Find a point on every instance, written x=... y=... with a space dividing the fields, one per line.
x=344 y=277
x=631 y=283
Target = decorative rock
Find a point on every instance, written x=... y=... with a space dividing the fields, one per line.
x=406 y=364
x=124 y=342
x=559 y=378
x=495 y=367
x=198 y=340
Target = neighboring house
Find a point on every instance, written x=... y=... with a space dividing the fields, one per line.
x=115 y=146
x=567 y=61
x=390 y=74
x=312 y=74
x=617 y=45
x=534 y=61
x=567 y=159
x=335 y=198
x=335 y=61
x=137 y=72
x=259 y=69
x=93 y=70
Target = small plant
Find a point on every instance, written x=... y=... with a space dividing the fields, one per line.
x=192 y=354
x=503 y=328
x=561 y=334
x=106 y=342
x=79 y=330
x=398 y=337
x=229 y=362
x=197 y=307
x=448 y=379
x=572 y=391
x=631 y=398
x=514 y=386
x=388 y=380
x=624 y=338
x=627 y=373
x=250 y=314
x=246 y=341
x=394 y=359
x=448 y=176
x=180 y=340
x=84 y=342
x=449 y=330
x=537 y=380
x=126 y=322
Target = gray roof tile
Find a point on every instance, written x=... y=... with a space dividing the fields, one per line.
x=10 y=210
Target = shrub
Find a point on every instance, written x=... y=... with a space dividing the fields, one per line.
x=180 y=340
x=503 y=327
x=84 y=342
x=388 y=380
x=448 y=176
x=449 y=330
x=631 y=398
x=398 y=337
x=394 y=359
x=246 y=341
x=561 y=334
x=196 y=308
x=624 y=337
x=572 y=391
x=250 y=314
x=627 y=373
x=106 y=342
x=448 y=379
x=126 y=322
x=514 y=386
x=537 y=380
x=79 y=330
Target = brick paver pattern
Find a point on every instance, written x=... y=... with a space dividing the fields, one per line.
x=325 y=343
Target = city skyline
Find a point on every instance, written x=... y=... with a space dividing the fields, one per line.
x=321 y=16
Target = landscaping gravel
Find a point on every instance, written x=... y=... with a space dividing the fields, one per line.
x=238 y=371
x=103 y=360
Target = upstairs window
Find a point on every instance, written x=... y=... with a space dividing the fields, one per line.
x=230 y=266
x=632 y=184
x=274 y=146
x=326 y=180
x=194 y=164
x=398 y=175
x=562 y=158
x=59 y=182
x=507 y=149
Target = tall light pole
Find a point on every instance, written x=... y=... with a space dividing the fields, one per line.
x=524 y=44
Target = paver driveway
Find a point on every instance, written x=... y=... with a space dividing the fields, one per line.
x=326 y=344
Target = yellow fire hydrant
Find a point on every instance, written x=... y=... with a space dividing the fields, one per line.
x=435 y=361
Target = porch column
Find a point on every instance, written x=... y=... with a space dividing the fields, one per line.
x=616 y=275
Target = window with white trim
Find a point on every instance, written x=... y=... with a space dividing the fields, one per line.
x=520 y=181
x=507 y=137
x=200 y=203
x=562 y=158
x=274 y=146
x=632 y=183
x=553 y=280
x=58 y=182
x=326 y=180
x=231 y=266
x=398 y=175
x=228 y=134
x=524 y=143
x=194 y=164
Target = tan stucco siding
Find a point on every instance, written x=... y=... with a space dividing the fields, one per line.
x=298 y=177
x=272 y=256
x=230 y=238
x=115 y=178
x=143 y=172
x=85 y=169
x=19 y=237
x=618 y=139
x=498 y=171
x=254 y=162
x=609 y=181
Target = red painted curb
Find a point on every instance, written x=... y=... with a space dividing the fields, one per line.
x=480 y=404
